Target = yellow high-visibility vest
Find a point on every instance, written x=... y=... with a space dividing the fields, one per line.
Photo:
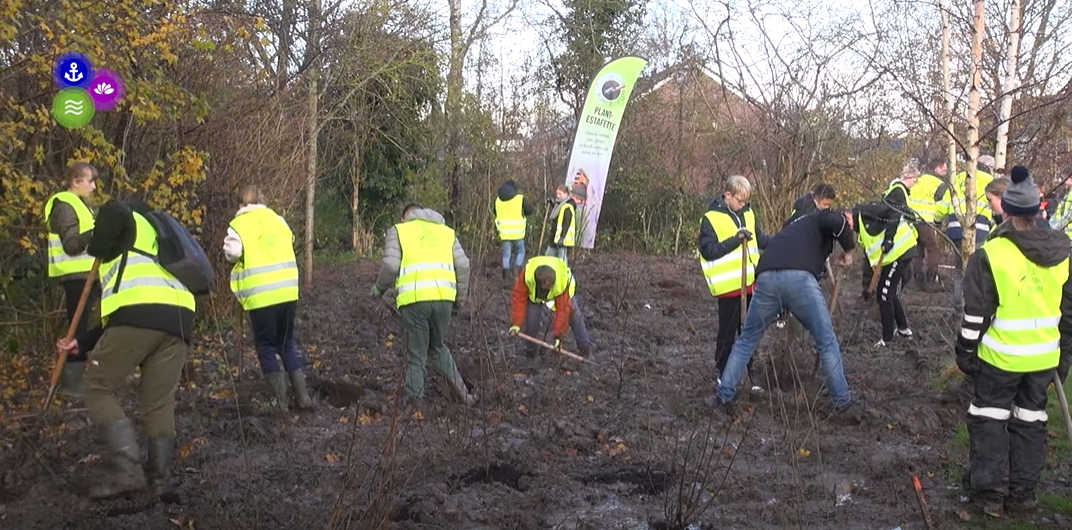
x=1023 y=335
x=59 y=263
x=921 y=198
x=143 y=280
x=267 y=273
x=510 y=218
x=563 y=278
x=426 y=273
x=723 y=275
x=571 y=233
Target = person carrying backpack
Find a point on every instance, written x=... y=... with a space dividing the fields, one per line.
x=265 y=280
x=148 y=319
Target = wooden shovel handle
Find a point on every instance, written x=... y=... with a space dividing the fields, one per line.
x=744 y=279
x=534 y=340
x=57 y=368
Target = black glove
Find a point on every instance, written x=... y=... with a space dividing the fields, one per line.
x=550 y=202
x=867 y=295
x=967 y=361
x=887 y=246
x=457 y=307
x=744 y=233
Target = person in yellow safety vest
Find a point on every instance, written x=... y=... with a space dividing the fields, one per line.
x=1062 y=215
x=511 y=209
x=994 y=192
x=564 y=234
x=546 y=279
x=148 y=317
x=924 y=202
x=425 y=262
x=69 y=220
x=1016 y=329
x=265 y=280
x=729 y=221
x=955 y=191
x=889 y=242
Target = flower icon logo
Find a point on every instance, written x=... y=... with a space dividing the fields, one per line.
x=103 y=89
x=106 y=89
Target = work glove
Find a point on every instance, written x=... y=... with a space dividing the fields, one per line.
x=558 y=344
x=514 y=330
x=887 y=246
x=376 y=292
x=744 y=234
x=550 y=201
x=457 y=307
x=867 y=295
x=967 y=361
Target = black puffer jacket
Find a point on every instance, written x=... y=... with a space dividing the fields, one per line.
x=1041 y=246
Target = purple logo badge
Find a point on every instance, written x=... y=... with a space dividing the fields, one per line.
x=106 y=89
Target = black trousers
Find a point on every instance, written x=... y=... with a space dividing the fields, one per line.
x=273 y=333
x=889 y=297
x=72 y=290
x=1007 y=431
x=729 y=326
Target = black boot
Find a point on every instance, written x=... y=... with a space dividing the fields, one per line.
x=158 y=465
x=127 y=475
x=506 y=275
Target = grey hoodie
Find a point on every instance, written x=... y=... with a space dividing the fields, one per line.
x=392 y=255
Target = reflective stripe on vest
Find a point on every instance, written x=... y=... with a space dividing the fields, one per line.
x=563 y=279
x=510 y=218
x=903 y=240
x=571 y=233
x=1023 y=335
x=59 y=262
x=723 y=275
x=143 y=281
x=921 y=198
x=426 y=273
x=267 y=272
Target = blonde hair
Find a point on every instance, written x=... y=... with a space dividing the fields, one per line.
x=997 y=186
x=78 y=170
x=251 y=195
x=738 y=186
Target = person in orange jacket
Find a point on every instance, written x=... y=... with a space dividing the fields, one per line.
x=545 y=279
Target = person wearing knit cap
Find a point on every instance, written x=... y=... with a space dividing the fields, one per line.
x=1016 y=329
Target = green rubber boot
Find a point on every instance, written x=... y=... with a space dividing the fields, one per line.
x=127 y=475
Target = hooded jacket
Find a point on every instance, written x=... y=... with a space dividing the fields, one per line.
x=508 y=190
x=711 y=248
x=1041 y=246
x=392 y=256
x=804 y=205
x=558 y=236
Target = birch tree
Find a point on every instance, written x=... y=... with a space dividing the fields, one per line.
x=968 y=220
x=1009 y=85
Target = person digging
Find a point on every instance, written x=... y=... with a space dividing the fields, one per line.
x=545 y=279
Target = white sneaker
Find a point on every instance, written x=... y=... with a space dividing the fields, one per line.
x=880 y=344
x=779 y=324
x=906 y=332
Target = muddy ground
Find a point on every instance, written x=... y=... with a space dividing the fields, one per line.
x=626 y=444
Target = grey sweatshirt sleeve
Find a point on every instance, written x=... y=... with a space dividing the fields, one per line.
x=392 y=260
x=461 y=272
x=64 y=221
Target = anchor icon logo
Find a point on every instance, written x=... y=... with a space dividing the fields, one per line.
x=73 y=75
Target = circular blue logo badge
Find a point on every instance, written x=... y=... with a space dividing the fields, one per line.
x=72 y=70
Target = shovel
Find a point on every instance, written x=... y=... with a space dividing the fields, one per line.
x=1063 y=401
x=744 y=279
x=876 y=271
x=57 y=368
x=539 y=342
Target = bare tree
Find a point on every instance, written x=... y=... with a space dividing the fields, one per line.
x=1010 y=83
x=967 y=222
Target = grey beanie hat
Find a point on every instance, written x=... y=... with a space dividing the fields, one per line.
x=1021 y=198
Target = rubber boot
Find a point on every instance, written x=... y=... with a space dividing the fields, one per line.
x=278 y=382
x=158 y=465
x=301 y=392
x=466 y=397
x=506 y=276
x=71 y=379
x=127 y=475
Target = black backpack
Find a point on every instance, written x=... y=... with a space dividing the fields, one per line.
x=180 y=254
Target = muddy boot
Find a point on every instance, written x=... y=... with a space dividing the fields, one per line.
x=466 y=397
x=158 y=465
x=506 y=276
x=71 y=379
x=301 y=392
x=126 y=475
x=278 y=382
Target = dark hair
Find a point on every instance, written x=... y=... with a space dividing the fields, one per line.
x=409 y=206
x=936 y=162
x=543 y=274
x=76 y=170
x=823 y=191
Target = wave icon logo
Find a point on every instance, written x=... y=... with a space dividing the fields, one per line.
x=73 y=108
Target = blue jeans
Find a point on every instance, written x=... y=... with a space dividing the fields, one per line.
x=799 y=292
x=518 y=246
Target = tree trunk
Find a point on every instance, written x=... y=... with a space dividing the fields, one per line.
x=1010 y=84
x=286 y=29
x=947 y=96
x=970 y=201
x=357 y=168
x=312 y=130
x=455 y=85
